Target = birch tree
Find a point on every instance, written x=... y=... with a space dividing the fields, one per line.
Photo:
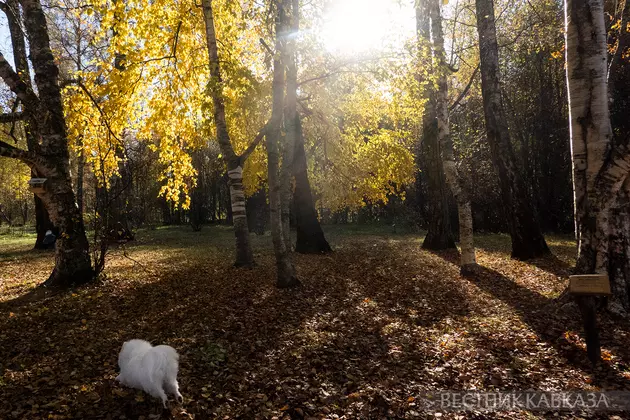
x=468 y=260
x=11 y=9
x=600 y=165
x=527 y=239
x=279 y=178
x=49 y=156
x=234 y=162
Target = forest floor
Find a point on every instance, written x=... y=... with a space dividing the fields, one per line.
x=376 y=324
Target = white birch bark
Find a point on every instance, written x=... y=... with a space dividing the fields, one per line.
x=244 y=254
x=468 y=259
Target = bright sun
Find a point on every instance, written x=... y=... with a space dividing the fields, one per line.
x=356 y=26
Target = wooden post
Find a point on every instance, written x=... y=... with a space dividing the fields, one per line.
x=585 y=288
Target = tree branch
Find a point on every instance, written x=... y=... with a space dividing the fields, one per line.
x=11 y=117
x=465 y=91
x=261 y=134
x=10 y=151
x=17 y=86
x=100 y=110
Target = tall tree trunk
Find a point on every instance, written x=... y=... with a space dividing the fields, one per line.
x=600 y=167
x=14 y=17
x=468 y=261
x=527 y=239
x=310 y=236
x=619 y=92
x=244 y=254
x=289 y=60
x=80 y=176
x=439 y=234
x=50 y=159
x=285 y=270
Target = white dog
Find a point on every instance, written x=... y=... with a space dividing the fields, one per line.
x=151 y=369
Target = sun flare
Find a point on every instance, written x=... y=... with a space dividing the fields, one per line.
x=357 y=26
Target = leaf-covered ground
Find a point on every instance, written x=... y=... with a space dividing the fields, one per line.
x=376 y=323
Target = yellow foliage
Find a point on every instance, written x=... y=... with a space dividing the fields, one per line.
x=158 y=93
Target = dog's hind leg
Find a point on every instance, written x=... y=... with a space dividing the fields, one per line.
x=158 y=392
x=172 y=387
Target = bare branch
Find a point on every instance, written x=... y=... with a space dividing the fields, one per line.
x=11 y=117
x=465 y=91
x=250 y=149
x=17 y=86
x=10 y=151
x=264 y=44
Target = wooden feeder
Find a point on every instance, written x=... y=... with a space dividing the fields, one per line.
x=37 y=185
x=589 y=284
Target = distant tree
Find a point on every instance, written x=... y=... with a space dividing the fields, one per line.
x=50 y=157
x=527 y=239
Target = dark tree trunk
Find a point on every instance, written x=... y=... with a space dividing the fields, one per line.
x=42 y=223
x=310 y=236
x=439 y=233
x=527 y=239
x=257 y=212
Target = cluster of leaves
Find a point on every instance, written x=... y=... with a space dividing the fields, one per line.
x=151 y=82
x=143 y=74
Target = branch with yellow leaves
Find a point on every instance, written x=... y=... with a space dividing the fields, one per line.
x=100 y=110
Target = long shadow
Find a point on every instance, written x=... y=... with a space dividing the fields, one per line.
x=243 y=343
x=30 y=253
x=553 y=265
x=539 y=312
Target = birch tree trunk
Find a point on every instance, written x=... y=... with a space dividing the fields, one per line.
x=468 y=260
x=439 y=234
x=244 y=255
x=11 y=8
x=527 y=239
x=289 y=60
x=286 y=272
x=600 y=167
x=49 y=156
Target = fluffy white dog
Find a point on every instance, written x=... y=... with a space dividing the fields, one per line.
x=151 y=369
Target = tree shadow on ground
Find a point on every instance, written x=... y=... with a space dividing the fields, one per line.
x=30 y=254
x=345 y=340
x=544 y=317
